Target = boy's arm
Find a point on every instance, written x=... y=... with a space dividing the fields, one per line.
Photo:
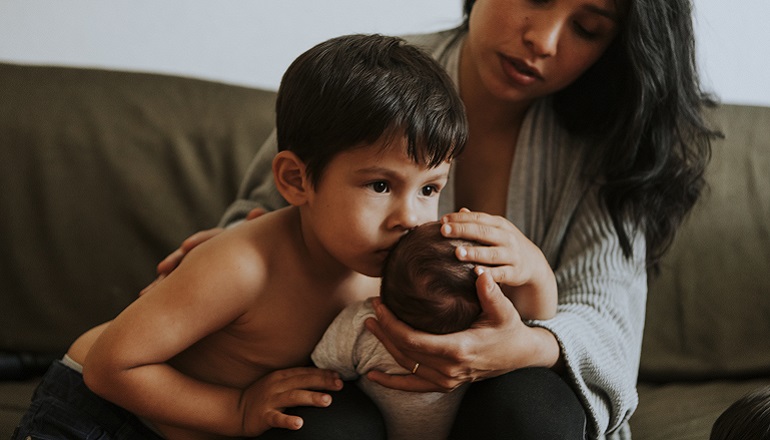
x=128 y=363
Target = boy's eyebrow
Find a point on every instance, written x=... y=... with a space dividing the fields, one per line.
x=393 y=174
x=377 y=170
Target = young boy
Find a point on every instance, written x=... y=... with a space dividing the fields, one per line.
x=427 y=287
x=367 y=127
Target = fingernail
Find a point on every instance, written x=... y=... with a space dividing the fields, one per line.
x=479 y=270
x=446 y=229
x=462 y=252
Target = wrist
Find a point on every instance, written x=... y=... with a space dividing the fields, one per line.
x=543 y=348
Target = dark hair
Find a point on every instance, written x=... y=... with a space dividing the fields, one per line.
x=350 y=91
x=426 y=286
x=641 y=105
x=747 y=418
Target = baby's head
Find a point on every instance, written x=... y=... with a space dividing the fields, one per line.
x=426 y=286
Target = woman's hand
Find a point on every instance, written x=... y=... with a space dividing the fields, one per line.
x=497 y=343
x=510 y=257
x=262 y=404
x=171 y=262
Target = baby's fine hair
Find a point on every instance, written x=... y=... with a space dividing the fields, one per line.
x=747 y=418
x=355 y=90
x=426 y=286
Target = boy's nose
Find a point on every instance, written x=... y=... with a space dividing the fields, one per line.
x=406 y=216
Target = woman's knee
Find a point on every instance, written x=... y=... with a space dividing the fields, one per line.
x=531 y=403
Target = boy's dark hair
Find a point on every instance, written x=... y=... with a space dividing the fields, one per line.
x=747 y=418
x=350 y=91
x=426 y=286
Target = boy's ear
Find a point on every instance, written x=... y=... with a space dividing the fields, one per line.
x=290 y=177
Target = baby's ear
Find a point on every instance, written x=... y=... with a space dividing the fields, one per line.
x=291 y=179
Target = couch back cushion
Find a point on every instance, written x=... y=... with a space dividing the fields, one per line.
x=708 y=312
x=103 y=173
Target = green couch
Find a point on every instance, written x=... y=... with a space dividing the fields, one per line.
x=103 y=173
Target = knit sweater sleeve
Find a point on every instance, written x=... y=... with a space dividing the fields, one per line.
x=257 y=188
x=600 y=315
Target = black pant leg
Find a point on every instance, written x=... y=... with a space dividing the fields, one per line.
x=352 y=415
x=530 y=403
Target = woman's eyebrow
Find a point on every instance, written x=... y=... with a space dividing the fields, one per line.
x=608 y=13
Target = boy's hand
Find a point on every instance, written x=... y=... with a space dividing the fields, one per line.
x=263 y=403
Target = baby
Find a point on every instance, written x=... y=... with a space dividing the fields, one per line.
x=427 y=287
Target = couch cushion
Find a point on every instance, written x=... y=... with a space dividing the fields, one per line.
x=14 y=401
x=686 y=410
x=102 y=174
x=709 y=311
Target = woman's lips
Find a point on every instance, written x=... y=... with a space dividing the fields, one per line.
x=519 y=71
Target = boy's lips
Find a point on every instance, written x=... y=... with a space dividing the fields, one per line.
x=386 y=251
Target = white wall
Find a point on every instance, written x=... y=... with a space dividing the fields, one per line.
x=251 y=42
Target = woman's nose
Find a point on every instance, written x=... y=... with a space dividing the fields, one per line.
x=542 y=35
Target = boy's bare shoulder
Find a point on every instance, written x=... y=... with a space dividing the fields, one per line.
x=243 y=254
x=262 y=233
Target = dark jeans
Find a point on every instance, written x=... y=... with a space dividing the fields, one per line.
x=531 y=403
x=351 y=416
x=64 y=408
x=527 y=404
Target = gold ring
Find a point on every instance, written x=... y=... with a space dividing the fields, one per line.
x=416 y=366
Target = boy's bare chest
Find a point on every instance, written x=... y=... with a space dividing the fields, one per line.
x=280 y=331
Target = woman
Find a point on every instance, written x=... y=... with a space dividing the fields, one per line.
x=586 y=150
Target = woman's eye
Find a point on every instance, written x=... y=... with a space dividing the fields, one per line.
x=585 y=33
x=379 y=187
x=429 y=190
x=589 y=31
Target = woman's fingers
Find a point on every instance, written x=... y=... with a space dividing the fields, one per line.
x=172 y=260
x=410 y=382
x=388 y=328
x=496 y=308
x=442 y=364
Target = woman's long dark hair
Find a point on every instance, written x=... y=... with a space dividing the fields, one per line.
x=641 y=105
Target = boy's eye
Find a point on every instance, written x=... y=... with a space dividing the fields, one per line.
x=429 y=190
x=379 y=187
